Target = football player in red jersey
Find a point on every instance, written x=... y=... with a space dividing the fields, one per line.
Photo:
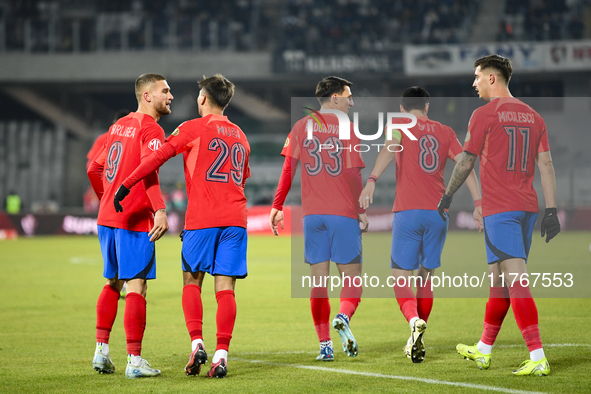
x=127 y=240
x=96 y=148
x=418 y=235
x=509 y=137
x=216 y=154
x=331 y=183
x=97 y=145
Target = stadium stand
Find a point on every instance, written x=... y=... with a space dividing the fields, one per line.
x=542 y=20
x=243 y=39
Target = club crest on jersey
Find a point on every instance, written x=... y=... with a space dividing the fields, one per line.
x=286 y=143
x=467 y=137
x=155 y=144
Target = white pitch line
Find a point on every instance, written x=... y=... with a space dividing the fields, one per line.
x=551 y=345
x=430 y=347
x=379 y=375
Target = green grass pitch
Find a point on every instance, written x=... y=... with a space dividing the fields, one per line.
x=47 y=317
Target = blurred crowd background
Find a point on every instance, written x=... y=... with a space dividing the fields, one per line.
x=67 y=66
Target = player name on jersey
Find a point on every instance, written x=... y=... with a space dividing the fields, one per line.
x=332 y=128
x=229 y=131
x=123 y=131
x=520 y=117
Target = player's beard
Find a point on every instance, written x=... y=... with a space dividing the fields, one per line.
x=162 y=109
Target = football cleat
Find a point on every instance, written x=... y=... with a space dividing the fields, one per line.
x=417 y=347
x=472 y=353
x=326 y=354
x=406 y=349
x=341 y=325
x=197 y=358
x=218 y=370
x=144 y=370
x=535 y=368
x=102 y=363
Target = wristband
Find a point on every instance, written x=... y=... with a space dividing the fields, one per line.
x=478 y=203
x=373 y=178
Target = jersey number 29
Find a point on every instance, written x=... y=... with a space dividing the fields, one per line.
x=237 y=154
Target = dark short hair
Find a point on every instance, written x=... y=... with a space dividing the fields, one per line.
x=218 y=89
x=145 y=79
x=329 y=86
x=119 y=114
x=414 y=97
x=497 y=63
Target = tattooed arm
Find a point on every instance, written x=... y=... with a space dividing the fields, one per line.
x=461 y=172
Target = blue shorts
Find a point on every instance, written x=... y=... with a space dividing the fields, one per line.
x=508 y=235
x=418 y=237
x=217 y=251
x=332 y=237
x=127 y=254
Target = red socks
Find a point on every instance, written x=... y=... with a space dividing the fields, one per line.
x=106 y=312
x=350 y=299
x=320 y=307
x=134 y=322
x=496 y=309
x=407 y=301
x=424 y=300
x=193 y=310
x=225 y=318
x=526 y=315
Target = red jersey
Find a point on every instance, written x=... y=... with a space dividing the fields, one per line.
x=96 y=148
x=507 y=134
x=420 y=165
x=216 y=154
x=128 y=142
x=325 y=183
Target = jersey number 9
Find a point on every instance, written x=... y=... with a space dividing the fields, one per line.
x=113 y=159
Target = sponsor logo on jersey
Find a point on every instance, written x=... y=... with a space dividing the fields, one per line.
x=155 y=144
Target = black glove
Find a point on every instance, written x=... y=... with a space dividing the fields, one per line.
x=550 y=224
x=181 y=235
x=122 y=192
x=444 y=203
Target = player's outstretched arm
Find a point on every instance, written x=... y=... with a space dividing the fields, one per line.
x=290 y=166
x=160 y=225
x=550 y=222
x=147 y=167
x=472 y=184
x=383 y=160
x=458 y=177
x=275 y=219
x=366 y=196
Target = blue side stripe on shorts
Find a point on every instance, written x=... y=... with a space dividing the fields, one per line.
x=148 y=268
x=500 y=254
x=186 y=266
x=394 y=265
